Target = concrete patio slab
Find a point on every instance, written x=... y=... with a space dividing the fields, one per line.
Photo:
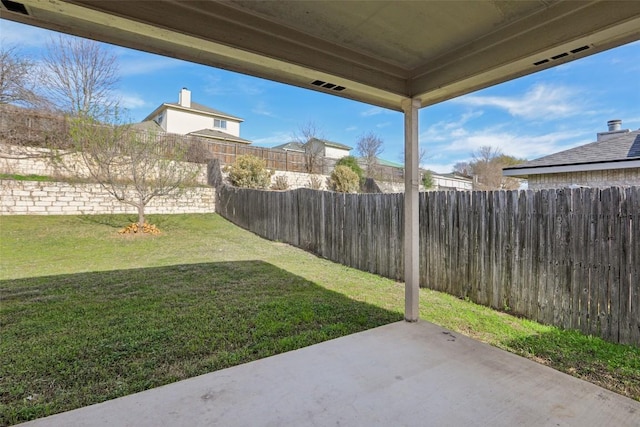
x=403 y=374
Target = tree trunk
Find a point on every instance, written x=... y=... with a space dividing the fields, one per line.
x=140 y=216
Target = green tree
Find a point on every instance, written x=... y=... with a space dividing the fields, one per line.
x=344 y=180
x=427 y=180
x=352 y=163
x=249 y=172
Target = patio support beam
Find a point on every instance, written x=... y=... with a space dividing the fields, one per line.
x=411 y=211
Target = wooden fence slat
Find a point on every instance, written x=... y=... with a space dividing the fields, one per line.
x=624 y=261
x=614 y=255
x=634 y=274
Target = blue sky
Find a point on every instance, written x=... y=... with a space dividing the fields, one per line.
x=530 y=117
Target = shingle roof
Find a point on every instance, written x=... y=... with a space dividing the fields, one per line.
x=384 y=162
x=199 y=107
x=453 y=175
x=194 y=107
x=616 y=149
x=148 y=125
x=331 y=144
x=216 y=134
x=290 y=146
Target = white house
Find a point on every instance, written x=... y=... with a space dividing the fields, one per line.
x=329 y=149
x=190 y=118
x=451 y=181
x=321 y=147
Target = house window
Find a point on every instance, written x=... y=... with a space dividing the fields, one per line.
x=159 y=119
x=220 y=124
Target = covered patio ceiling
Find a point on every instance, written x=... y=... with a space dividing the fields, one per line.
x=377 y=52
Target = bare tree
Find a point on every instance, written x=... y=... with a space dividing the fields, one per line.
x=463 y=168
x=79 y=77
x=133 y=166
x=17 y=78
x=309 y=134
x=369 y=147
x=486 y=167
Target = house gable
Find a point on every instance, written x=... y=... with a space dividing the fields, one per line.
x=330 y=149
x=185 y=117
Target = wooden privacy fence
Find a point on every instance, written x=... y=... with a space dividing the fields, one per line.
x=569 y=258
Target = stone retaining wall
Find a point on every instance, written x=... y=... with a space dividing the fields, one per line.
x=60 y=198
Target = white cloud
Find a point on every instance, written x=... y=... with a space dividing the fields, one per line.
x=373 y=111
x=214 y=86
x=542 y=101
x=383 y=125
x=261 y=109
x=444 y=167
x=515 y=144
x=351 y=128
x=23 y=36
x=132 y=101
x=134 y=63
x=250 y=87
x=444 y=130
x=276 y=138
x=456 y=140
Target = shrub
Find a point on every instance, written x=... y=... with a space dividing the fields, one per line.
x=344 y=180
x=352 y=163
x=281 y=183
x=249 y=172
x=315 y=183
x=427 y=180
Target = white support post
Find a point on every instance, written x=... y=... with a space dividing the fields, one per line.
x=411 y=211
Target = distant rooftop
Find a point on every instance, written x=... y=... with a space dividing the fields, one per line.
x=614 y=147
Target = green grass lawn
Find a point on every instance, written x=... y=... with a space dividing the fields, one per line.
x=88 y=315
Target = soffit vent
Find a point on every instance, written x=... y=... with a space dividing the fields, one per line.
x=14 y=6
x=330 y=86
x=561 y=55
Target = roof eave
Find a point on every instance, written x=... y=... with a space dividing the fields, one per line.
x=581 y=167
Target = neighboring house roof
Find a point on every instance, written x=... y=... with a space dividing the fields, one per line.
x=148 y=125
x=331 y=144
x=384 y=162
x=453 y=175
x=195 y=107
x=291 y=146
x=219 y=135
x=618 y=152
x=204 y=109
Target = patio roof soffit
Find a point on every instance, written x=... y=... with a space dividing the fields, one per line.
x=375 y=52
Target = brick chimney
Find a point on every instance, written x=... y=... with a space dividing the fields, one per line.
x=184 y=99
x=615 y=129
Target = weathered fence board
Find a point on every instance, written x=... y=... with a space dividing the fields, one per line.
x=567 y=257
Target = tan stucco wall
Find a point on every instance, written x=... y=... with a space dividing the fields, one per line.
x=608 y=178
